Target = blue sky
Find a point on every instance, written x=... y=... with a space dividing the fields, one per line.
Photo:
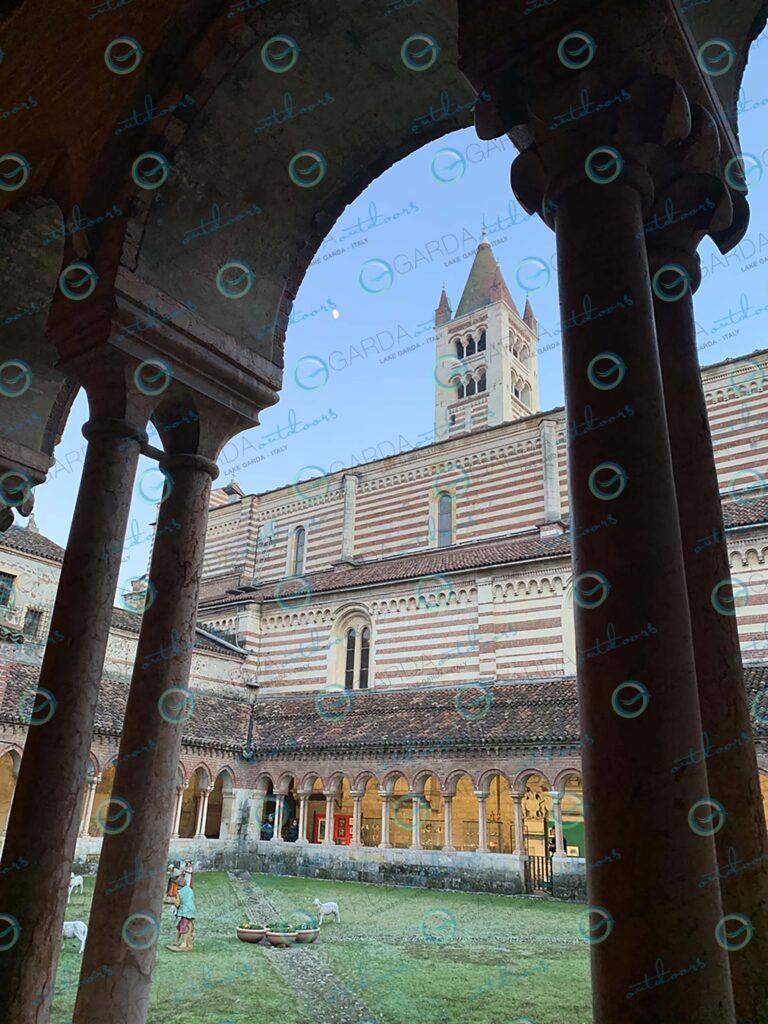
x=427 y=231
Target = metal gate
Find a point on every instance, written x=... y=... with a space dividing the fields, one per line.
x=539 y=874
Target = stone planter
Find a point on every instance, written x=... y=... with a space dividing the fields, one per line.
x=281 y=939
x=251 y=934
x=307 y=934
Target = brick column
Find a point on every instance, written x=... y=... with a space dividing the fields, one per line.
x=56 y=750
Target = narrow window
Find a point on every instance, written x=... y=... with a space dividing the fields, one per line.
x=459 y=350
x=32 y=619
x=349 y=670
x=460 y=390
x=470 y=346
x=481 y=383
x=6 y=589
x=452 y=419
x=470 y=387
x=481 y=342
x=444 y=520
x=298 y=551
x=365 y=654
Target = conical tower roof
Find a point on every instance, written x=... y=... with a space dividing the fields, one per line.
x=443 y=311
x=485 y=284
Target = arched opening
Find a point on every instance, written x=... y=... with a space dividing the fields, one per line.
x=288 y=820
x=572 y=814
x=465 y=814
x=219 y=813
x=100 y=799
x=470 y=347
x=481 y=342
x=459 y=350
x=350 y=657
x=400 y=812
x=538 y=824
x=444 y=520
x=316 y=812
x=340 y=829
x=525 y=395
x=370 y=813
x=501 y=815
x=481 y=384
x=299 y=544
x=471 y=387
x=9 y=769
x=459 y=390
x=193 y=803
x=431 y=812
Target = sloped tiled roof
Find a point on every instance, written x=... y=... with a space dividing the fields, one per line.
x=31 y=542
x=130 y=622
x=745 y=512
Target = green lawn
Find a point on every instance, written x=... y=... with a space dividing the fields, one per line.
x=413 y=956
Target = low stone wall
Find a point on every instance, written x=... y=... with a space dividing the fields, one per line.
x=431 y=869
x=205 y=854
x=569 y=879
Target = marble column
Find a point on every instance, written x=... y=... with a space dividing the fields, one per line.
x=448 y=822
x=88 y=807
x=279 y=804
x=57 y=749
x=158 y=708
x=416 y=823
x=557 y=816
x=482 y=821
x=357 y=814
x=202 y=812
x=725 y=742
x=636 y=674
x=386 y=799
x=329 y=808
x=177 y=811
x=303 y=802
x=517 y=799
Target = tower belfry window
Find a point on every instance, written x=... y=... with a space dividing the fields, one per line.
x=481 y=342
x=481 y=383
x=459 y=350
x=470 y=350
x=298 y=551
x=470 y=387
x=357 y=655
x=444 y=520
x=460 y=390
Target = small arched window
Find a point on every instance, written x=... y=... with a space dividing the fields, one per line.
x=460 y=390
x=470 y=387
x=524 y=355
x=481 y=342
x=470 y=346
x=299 y=543
x=481 y=383
x=444 y=520
x=365 y=657
x=459 y=350
x=349 y=666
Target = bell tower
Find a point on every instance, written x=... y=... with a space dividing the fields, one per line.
x=486 y=369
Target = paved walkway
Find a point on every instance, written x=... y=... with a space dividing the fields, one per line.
x=323 y=997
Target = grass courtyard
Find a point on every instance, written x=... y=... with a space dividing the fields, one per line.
x=408 y=956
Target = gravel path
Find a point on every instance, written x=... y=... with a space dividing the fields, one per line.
x=323 y=997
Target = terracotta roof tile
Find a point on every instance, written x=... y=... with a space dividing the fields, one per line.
x=31 y=542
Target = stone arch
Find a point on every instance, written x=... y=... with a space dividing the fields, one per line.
x=397 y=787
x=307 y=782
x=101 y=797
x=218 y=819
x=426 y=786
x=351 y=656
x=451 y=780
x=536 y=807
x=499 y=809
x=464 y=813
x=370 y=809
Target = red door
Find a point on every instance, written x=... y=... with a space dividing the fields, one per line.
x=342 y=829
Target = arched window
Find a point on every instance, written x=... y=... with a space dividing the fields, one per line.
x=365 y=657
x=460 y=390
x=459 y=350
x=470 y=387
x=481 y=383
x=299 y=543
x=470 y=350
x=444 y=520
x=524 y=355
x=481 y=342
x=349 y=667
